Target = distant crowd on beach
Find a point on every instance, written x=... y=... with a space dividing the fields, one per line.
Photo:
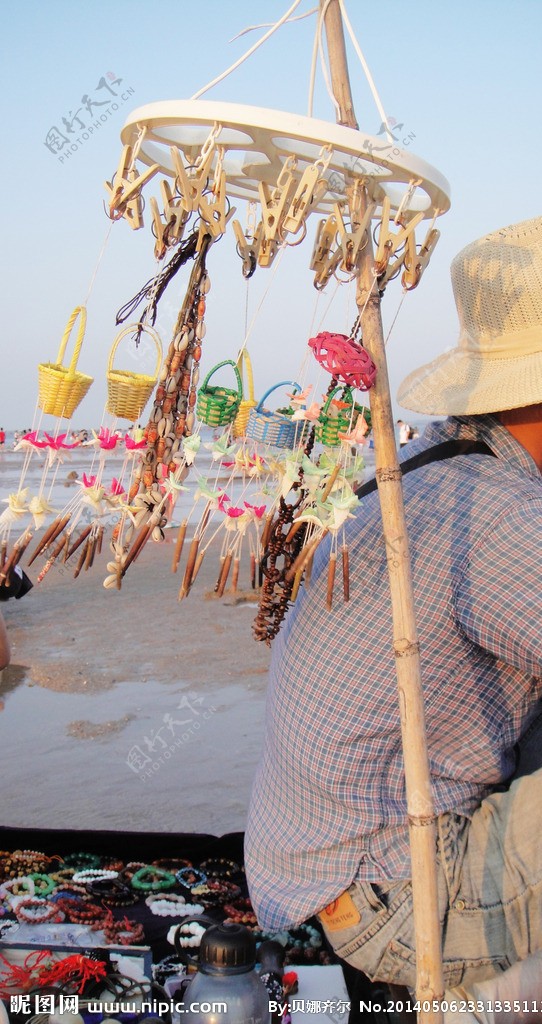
x=406 y=433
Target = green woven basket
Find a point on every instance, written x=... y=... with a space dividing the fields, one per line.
x=329 y=427
x=217 y=405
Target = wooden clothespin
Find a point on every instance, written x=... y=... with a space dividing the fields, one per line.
x=214 y=213
x=248 y=248
x=415 y=263
x=311 y=189
x=389 y=241
x=125 y=189
x=325 y=259
x=274 y=202
x=175 y=214
x=191 y=185
x=352 y=240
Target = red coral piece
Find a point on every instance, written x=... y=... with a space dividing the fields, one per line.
x=344 y=359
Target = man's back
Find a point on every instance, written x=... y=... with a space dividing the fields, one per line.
x=329 y=802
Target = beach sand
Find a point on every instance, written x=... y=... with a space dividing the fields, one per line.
x=129 y=709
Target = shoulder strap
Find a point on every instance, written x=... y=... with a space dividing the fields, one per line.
x=437 y=453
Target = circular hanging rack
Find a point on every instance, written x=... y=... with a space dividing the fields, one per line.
x=257 y=142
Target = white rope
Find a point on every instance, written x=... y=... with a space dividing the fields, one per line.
x=323 y=60
x=365 y=67
x=100 y=257
x=277 y=261
x=314 y=60
x=268 y=24
x=248 y=53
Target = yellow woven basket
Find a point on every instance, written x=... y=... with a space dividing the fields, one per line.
x=248 y=403
x=62 y=388
x=129 y=392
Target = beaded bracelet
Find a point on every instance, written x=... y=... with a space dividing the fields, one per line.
x=22 y=886
x=63 y=875
x=112 y=892
x=21 y=862
x=43 y=884
x=220 y=867
x=216 y=892
x=90 y=914
x=167 y=968
x=94 y=875
x=172 y=864
x=82 y=860
x=8 y=926
x=165 y=908
x=188 y=877
x=152 y=879
x=241 y=911
x=190 y=934
x=123 y=933
x=44 y=911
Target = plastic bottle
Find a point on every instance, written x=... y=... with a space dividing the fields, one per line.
x=226 y=989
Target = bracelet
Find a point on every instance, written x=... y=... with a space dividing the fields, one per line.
x=43 y=884
x=157 y=897
x=190 y=934
x=113 y=892
x=219 y=867
x=8 y=926
x=152 y=879
x=90 y=914
x=124 y=933
x=188 y=877
x=216 y=892
x=165 y=908
x=72 y=889
x=94 y=875
x=78 y=861
x=23 y=886
x=241 y=911
x=63 y=875
x=21 y=862
x=167 y=968
x=172 y=864
x=44 y=911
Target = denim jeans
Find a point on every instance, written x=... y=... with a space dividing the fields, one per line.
x=489 y=885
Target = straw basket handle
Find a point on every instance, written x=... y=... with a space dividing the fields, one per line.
x=225 y=362
x=282 y=384
x=244 y=358
x=129 y=329
x=78 y=311
x=346 y=391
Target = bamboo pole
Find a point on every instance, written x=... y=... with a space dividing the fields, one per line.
x=420 y=806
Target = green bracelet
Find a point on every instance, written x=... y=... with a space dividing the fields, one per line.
x=152 y=879
x=47 y=886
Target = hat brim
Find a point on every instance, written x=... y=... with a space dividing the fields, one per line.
x=459 y=383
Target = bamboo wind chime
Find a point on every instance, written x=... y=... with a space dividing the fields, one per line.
x=420 y=806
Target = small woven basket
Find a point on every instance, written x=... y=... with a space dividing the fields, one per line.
x=328 y=427
x=62 y=388
x=241 y=420
x=275 y=428
x=217 y=405
x=128 y=392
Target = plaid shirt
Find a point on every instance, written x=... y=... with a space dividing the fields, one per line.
x=328 y=803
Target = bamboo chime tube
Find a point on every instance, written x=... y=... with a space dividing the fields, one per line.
x=420 y=807
x=179 y=545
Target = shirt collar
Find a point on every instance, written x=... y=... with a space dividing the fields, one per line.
x=484 y=428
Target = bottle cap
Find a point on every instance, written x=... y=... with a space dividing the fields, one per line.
x=227 y=948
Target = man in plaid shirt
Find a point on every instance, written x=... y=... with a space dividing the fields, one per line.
x=327 y=830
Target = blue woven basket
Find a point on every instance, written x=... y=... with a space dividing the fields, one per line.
x=275 y=428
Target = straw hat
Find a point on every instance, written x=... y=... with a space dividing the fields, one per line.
x=497 y=365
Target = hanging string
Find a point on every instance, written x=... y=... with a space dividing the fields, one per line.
x=314 y=59
x=268 y=24
x=277 y=262
x=365 y=67
x=100 y=257
x=248 y=53
x=156 y=286
x=395 y=317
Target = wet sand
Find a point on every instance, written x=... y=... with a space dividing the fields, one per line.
x=130 y=709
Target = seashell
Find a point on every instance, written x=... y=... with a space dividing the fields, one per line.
x=190 y=419
x=163 y=373
x=110 y=581
x=188 y=362
x=156 y=415
x=157 y=534
x=190 y=333
x=195 y=376
x=111 y=566
x=201 y=331
x=162 y=427
x=205 y=285
x=171 y=384
x=156 y=497
x=181 y=341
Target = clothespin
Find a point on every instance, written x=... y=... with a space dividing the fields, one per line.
x=191 y=185
x=415 y=263
x=214 y=213
x=159 y=227
x=311 y=189
x=175 y=214
x=352 y=240
x=325 y=260
x=389 y=241
x=248 y=250
x=275 y=202
x=125 y=189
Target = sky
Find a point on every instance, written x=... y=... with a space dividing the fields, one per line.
x=463 y=79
